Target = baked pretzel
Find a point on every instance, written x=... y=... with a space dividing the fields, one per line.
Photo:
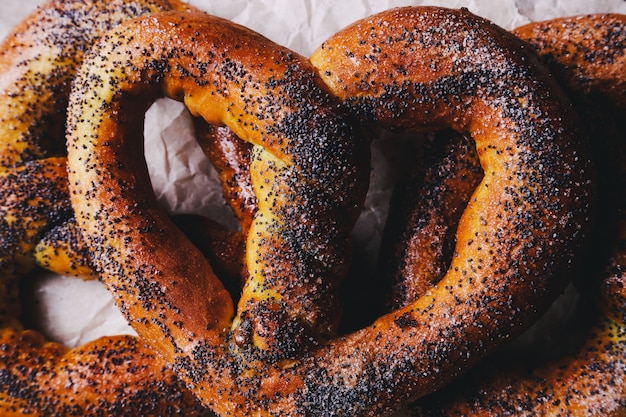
x=587 y=54
x=109 y=376
x=273 y=356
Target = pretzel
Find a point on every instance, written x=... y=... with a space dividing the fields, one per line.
x=586 y=53
x=112 y=375
x=274 y=355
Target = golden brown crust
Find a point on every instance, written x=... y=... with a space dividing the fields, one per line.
x=308 y=192
x=37 y=375
x=32 y=200
x=224 y=248
x=231 y=158
x=62 y=251
x=588 y=53
x=287 y=107
x=276 y=82
x=473 y=70
x=592 y=382
x=112 y=376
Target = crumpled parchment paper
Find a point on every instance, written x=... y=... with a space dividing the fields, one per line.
x=73 y=311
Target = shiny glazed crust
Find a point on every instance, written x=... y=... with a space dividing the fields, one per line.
x=587 y=54
x=273 y=356
x=109 y=376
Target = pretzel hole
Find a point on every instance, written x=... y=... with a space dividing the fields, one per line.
x=412 y=188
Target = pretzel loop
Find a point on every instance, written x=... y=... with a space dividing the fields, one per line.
x=517 y=237
x=587 y=375
x=266 y=95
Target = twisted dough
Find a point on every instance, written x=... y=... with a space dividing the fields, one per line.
x=109 y=376
x=587 y=54
x=273 y=357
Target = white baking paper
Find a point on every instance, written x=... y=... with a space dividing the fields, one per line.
x=72 y=311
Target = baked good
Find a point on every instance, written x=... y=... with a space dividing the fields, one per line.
x=275 y=354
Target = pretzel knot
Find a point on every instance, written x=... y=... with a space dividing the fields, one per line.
x=412 y=68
